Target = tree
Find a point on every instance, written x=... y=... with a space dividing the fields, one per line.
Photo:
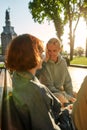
x=79 y=51
x=84 y=14
x=72 y=15
x=50 y=10
x=60 y=12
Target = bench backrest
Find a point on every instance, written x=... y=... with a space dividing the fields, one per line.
x=2 y=83
x=11 y=118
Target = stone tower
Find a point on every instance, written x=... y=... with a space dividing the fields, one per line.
x=8 y=32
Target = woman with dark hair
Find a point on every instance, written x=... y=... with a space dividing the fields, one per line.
x=23 y=58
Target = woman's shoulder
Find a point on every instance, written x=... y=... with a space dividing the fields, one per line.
x=84 y=81
x=83 y=88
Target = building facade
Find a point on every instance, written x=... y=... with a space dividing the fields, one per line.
x=8 y=33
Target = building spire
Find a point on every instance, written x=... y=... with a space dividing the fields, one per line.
x=7 y=17
x=8 y=32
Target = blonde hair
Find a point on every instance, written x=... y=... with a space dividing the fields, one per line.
x=55 y=41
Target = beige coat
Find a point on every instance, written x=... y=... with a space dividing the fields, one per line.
x=79 y=112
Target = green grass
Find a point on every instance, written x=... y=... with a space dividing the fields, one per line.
x=79 y=61
x=1 y=64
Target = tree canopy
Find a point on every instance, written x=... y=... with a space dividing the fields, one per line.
x=49 y=10
x=60 y=12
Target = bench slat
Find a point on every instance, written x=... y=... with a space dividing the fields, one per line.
x=2 y=83
x=11 y=117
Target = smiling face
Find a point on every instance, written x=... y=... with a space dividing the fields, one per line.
x=53 y=51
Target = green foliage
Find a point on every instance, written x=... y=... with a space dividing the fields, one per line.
x=84 y=9
x=71 y=10
x=79 y=61
x=78 y=51
x=41 y=9
x=50 y=10
x=60 y=12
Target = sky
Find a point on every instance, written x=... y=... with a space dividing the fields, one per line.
x=21 y=20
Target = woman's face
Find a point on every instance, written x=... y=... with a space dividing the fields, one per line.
x=53 y=50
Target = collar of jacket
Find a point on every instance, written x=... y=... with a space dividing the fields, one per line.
x=26 y=74
x=59 y=60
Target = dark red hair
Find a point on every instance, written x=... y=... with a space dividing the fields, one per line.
x=23 y=53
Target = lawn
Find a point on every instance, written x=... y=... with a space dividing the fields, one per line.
x=79 y=61
x=76 y=61
x=1 y=64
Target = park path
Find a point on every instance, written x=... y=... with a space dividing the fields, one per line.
x=77 y=76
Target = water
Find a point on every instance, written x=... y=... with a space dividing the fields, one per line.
x=77 y=75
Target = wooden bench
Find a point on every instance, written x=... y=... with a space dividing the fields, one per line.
x=2 y=82
x=5 y=89
x=11 y=118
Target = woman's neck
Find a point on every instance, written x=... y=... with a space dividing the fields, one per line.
x=33 y=71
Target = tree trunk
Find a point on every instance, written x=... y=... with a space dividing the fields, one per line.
x=58 y=27
x=86 y=48
x=86 y=40
x=71 y=39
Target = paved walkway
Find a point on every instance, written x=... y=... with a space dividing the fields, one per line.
x=77 y=75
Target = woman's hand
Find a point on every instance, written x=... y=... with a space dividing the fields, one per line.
x=75 y=94
x=72 y=99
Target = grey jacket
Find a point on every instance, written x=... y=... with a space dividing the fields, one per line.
x=56 y=76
